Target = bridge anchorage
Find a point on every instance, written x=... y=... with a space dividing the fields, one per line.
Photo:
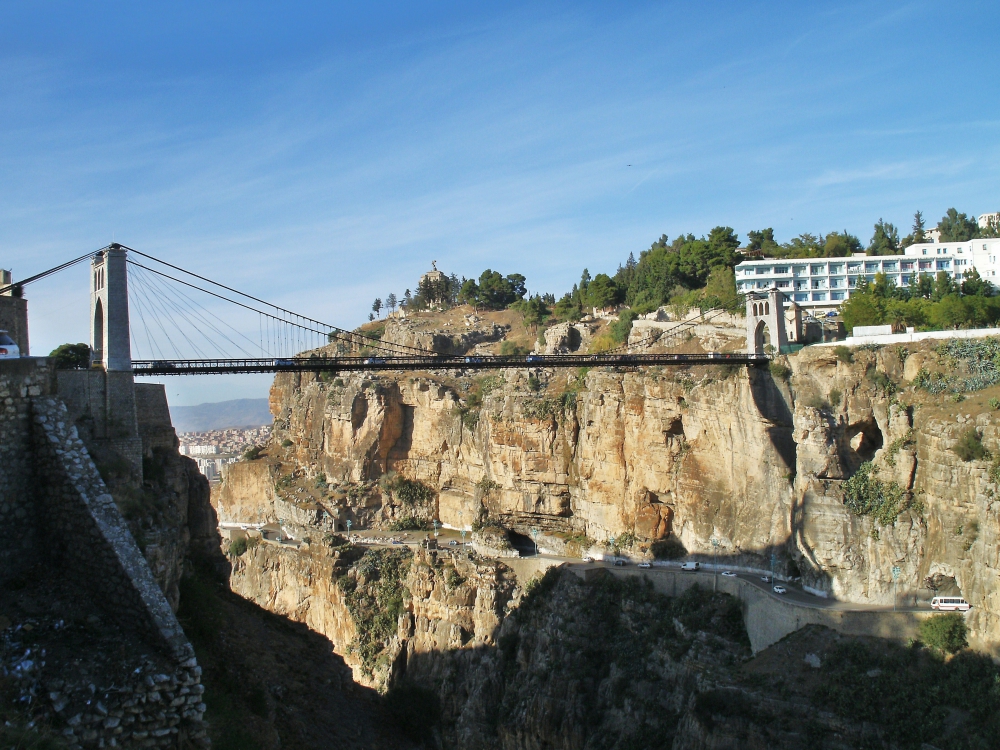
x=174 y=323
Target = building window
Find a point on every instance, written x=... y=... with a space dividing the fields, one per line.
x=907 y=265
x=784 y=284
x=871 y=267
x=889 y=265
x=798 y=270
x=781 y=269
x=836 y=268
x=854 y=268
x=943 y=265
x=925 y=251
x=817 y=269
x=904 y=279
x=819 y=296
x=837 y=295
x=925 y=264
x=801 y=297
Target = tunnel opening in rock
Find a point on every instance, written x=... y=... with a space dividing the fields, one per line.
x=522 y=543
x=863 y=442
x=675 y=428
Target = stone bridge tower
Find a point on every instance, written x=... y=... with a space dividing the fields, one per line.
x=765 y=322
x=106 y=393
x=109 y=331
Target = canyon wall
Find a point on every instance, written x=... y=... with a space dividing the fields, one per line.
x=734 y=463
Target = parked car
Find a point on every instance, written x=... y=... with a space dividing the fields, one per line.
x=8 y=347
x=691 y=566
x=644 y=565
x=950 y=604
x=729 y=574
x=779 y=590
x=619 y=563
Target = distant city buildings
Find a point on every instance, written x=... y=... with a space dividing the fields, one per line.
x=214 y=449
x=826 y=282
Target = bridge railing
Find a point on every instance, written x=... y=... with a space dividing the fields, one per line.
x=435 y=362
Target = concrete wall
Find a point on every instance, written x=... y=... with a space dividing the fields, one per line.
x=769 y=619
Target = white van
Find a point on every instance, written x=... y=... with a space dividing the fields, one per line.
x=950 y=603
x=691 y=566
x=8 y=347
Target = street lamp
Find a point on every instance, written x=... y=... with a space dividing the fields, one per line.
x=896 y=570
x=614 y=555
x=436 y=524
x=348 y=529
x=774 y=560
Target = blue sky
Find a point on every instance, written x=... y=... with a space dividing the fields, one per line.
x=322 y=155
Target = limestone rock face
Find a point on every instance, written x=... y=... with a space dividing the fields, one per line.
x=733 y=463
x=461 y=340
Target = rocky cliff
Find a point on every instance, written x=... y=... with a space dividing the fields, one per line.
x=732 y=462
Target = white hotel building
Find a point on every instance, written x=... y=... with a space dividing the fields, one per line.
x=824 y=283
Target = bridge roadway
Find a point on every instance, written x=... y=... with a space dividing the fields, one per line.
x=434 y=362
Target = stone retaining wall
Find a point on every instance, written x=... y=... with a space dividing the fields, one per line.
x=87 y=533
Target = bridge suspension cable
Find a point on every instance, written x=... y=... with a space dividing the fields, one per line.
x=280 y=332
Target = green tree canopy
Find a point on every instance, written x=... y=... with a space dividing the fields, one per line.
x=956 y=227
x=885 y=240
x=917 y=233
x=71 y=356
x=603 y=292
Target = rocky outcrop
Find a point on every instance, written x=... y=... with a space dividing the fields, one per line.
x=733 y=463
x=466 y=335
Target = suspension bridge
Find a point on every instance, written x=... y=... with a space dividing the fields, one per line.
x=154 y=318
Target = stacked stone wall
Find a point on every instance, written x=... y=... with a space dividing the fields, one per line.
x=20 y=382
x=14 y=320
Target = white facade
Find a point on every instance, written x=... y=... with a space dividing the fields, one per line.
x=827 y=282
x=986 y=219
x=212 y=467
x=199 y=450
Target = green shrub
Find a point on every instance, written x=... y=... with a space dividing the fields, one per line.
x=71 y=356
x=409 y=523
x=409 y=491
x=970 y=446
x=907 y=441
x=253 y=453
x=835 y=397
x=780 y=370
x=510 y=349
x=237 y=547
x=882 y=382
x=534 y=383
x=844 y=354
x=994 y=403
x=946 y=633
x=668 y=549
x=867 y=495
x=621 y=328
x=286 y=443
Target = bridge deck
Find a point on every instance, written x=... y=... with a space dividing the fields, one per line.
x=433 y=362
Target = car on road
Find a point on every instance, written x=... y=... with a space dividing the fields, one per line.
x=8 y=347
x=729 y=574
x=473 y=360
x=531 y=358
x=396 y=541
x=644 y=565
x=691 y=566
x=375 y=361
x=452 y=543
x=779 y=590
x=588 y=558
x=766 y=579
x=619 y=563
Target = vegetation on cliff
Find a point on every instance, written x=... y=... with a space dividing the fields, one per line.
x=373 y=592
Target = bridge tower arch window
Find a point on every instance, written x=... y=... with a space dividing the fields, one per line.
x=765 y=322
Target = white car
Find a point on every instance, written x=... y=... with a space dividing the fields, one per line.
x=644 y=565
x=691 y=566
x=765 y=579
x=588 y=558
x=729 y=574
x=779 y=590
x=8 y=347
